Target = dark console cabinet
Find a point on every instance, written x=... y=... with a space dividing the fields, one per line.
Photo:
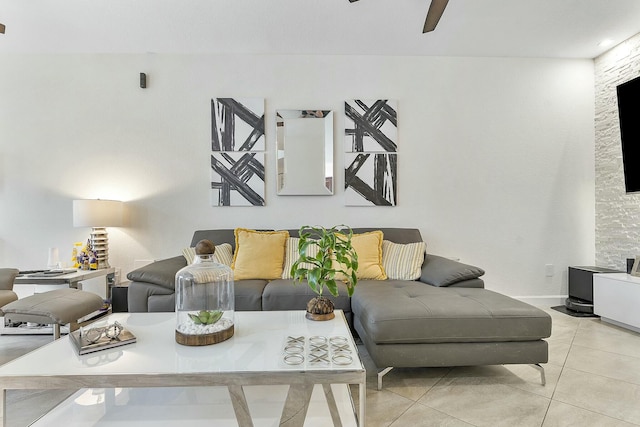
x=581 y=287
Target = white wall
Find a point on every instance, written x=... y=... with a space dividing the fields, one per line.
x=495 y=155
x=617 y=213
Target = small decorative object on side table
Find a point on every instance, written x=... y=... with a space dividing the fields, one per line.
x=323 y=254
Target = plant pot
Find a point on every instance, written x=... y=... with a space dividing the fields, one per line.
x=320 y=308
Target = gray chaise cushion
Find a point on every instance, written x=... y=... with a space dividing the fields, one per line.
x=411 y=312
x=440 y=271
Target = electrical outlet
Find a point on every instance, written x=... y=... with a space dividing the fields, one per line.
x=548 y=270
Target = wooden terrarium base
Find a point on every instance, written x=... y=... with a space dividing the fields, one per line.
x=204 y=339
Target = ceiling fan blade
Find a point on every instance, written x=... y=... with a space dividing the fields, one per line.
x=353 y=1
x=436 y=9
x=2 y=28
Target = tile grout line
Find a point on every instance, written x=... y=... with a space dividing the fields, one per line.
x=564 y=362
x=606 y=351
x=435 y=409
x=596 y=349
x=416 y=401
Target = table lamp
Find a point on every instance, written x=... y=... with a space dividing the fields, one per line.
x=98 y=214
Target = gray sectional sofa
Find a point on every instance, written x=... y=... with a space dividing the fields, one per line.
x=445 y=318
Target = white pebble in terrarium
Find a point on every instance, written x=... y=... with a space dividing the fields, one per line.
x=198 y=327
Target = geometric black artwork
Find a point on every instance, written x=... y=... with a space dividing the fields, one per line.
x=371 y=126
x=237 y=124
x=370 y=179
x=237 y=179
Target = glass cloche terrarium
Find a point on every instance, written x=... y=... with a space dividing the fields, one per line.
x=204 y=299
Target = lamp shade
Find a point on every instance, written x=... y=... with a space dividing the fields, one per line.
x=97 y=213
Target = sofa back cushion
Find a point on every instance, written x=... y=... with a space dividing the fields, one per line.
x=223 y=254
x=219 y=236
x=395 y=235
x=226 y=235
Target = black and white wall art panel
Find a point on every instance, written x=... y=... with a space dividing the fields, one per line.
x=371 y=126
x=237 y=179
x=370 y=179
x=237 y=124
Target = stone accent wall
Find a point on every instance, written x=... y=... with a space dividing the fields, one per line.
x=617 y=213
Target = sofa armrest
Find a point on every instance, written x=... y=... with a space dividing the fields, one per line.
x=440 y=271
x=161 y=273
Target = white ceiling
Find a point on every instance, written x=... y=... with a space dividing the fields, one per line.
x=517 y=28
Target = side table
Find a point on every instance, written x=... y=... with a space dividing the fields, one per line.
x=72 y=280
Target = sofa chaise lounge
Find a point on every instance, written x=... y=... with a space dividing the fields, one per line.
x=444 y=318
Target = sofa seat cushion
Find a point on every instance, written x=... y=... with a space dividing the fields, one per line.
x=394 y=312
x=282 y=294
x=248 y=294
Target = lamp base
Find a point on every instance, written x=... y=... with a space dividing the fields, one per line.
x=100 y=246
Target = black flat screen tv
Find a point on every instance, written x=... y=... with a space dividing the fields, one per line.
x=629 y=114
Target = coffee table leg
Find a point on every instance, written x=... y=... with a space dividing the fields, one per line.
x=3 y=407
x=363 y=403
x=296 y=405
x=333 y=408
x=240 y=406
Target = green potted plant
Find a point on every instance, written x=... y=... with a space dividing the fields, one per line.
x=323 y=254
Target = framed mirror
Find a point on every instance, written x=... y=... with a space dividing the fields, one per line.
x=304 y=140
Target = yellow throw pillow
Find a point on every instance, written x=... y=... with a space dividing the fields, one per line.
x=223 y=254
x=368 y=246
x=259 y=254
x=403 y=262
x=292 y=256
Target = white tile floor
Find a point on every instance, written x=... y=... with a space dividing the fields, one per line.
x=593 y=379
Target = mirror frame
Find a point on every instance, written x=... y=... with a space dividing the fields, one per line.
x=302 y=138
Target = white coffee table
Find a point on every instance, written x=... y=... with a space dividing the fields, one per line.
x=252 y=357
